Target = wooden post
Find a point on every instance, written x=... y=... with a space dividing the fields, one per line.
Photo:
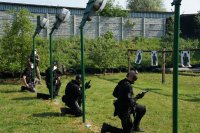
x=163 y=66
x=74 y=25
x=143 y=27
x=98 y=26
x=129 y=65
x=63 y=69
x=122 y=28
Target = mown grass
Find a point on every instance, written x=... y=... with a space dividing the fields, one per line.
x=22 y=112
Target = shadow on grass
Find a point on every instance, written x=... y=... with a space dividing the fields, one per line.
x=47 y=114
x=24 y=98
x=115 y=80
x=9 y=91
x=154 y=90
x=190 y=97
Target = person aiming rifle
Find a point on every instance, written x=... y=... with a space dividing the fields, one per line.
x=125 y=105
x=73 y=96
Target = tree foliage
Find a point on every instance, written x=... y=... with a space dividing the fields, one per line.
x=101 y=53
x=197 y=24
x=16 y=42
x=146 y=5
x=112 y=10
x=197 y=18
x=169 y=27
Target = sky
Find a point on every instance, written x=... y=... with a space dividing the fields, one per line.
x=187 y=6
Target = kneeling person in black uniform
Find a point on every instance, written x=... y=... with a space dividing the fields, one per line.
x=28 y=79
x=73 y=97
x=56 y=80
x=125 y=105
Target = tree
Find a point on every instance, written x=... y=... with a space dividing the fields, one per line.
x=112 y=10
x=103 y=52
x=169 y=27
x=16 y=41
x=146 y=5
x=197 y=24
x=197 y=18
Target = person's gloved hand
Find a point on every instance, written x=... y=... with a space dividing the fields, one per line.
x=140 y=95
x=87 y=85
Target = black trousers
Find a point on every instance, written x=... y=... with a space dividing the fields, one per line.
x=75 y=106
x=126 y=121
x=139 y=113
x=24 y=88
x=56 y=88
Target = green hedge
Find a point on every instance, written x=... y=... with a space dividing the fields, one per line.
x=102 y=53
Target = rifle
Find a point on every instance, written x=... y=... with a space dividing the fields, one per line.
x=140 y=95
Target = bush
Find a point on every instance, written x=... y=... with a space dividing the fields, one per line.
x=104 y=54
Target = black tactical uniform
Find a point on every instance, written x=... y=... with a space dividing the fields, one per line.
x=56 y=81
x=27 y=76
x=125 y=105
x=73 y=96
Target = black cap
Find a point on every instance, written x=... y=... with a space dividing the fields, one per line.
x=78 y=76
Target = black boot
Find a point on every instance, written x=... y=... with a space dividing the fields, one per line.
x=43 y=96
x=63 y=111
x=137 y=129
x=23 y=88
x=105 y=128
x=32 y=90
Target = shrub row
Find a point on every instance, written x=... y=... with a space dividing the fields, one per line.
x=102 y=54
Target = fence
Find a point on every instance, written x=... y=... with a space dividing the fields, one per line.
x=121 y=28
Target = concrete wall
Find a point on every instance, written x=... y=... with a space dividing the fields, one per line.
x=147 y=27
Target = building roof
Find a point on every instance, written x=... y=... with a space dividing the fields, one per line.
x=57 y=3
x=48 y=7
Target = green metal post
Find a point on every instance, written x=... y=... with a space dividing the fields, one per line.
x=89 y=11
x=34 y=62
x=175 y=66
x=83 y=73
x=51 y=65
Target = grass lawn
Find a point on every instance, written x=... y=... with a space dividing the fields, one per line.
x=22 y=112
